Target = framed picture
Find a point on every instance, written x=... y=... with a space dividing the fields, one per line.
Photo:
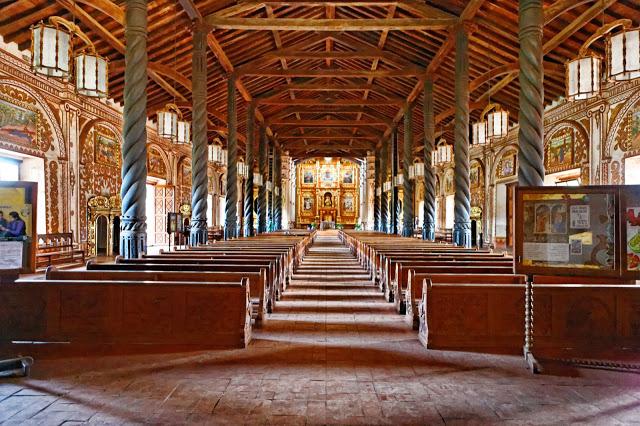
x=307 y=203
x=107 y=150
x=18 y=122
x=347 y=177
x=307 y=177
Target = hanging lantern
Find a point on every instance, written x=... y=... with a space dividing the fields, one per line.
x=257 y=179
x=478 y=136
x=214 y=152
x=51 y=49
x=168 y=122
x=418 y=169
x=223 y=160
x=242 y=170
x=444 y=152
x=624 y=55
x=378 y=191
x=398 y=180
x=183 y=136
x=497 y=124
x=386 y=186
x=583 y=77
x=434 y=157
x=269 y=186
x=92 y=75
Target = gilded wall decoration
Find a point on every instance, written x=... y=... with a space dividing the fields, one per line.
x=326 y=191
x=476 y=180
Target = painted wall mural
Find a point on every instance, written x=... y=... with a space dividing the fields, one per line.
x=18 y=123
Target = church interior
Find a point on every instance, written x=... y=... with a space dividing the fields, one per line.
x=319 y=212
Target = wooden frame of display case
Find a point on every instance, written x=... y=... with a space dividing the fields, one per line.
x=583 y=208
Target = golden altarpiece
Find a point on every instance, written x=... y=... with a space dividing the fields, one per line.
x=327 y=191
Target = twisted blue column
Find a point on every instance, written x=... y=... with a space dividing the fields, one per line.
x=384 y=198
x=429 y=223
x=376 y=198
x=262 y=191
x=407 y=187
x=395 y=205
x=133 y=228
x=530 y=115
x=199 y=178
x=231 y=222
x=462 y=198
x=248 y=186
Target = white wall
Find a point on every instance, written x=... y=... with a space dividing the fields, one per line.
x=632 y=170
x=501 y=210
x=449 y=211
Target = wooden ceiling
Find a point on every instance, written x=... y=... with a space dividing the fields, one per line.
x=329 y=78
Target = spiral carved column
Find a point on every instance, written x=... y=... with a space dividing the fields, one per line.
x=407 y=187
x=384 y=200
x=376 y=197
x=199 y=186
x=395 y=205
x=462 y=199
x=133 y=227
x=530 y=116
x=262 y=190
x=429 y=224
x=248 y=185
x=277 y=196
x=231 y=222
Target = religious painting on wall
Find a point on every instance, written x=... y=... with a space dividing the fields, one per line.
x=18 y=124
x=507 y=166
x=559 y=152
x=448 y=182
x=634 y=132
x=155 y=164
x=307 y=202
x=474 y=175
x=327 y=175
x=107 y=149
x=348 y=203
x=347 y=177
x=186 y=174
x=307 y=177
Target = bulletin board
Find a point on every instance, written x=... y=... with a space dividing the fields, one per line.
x=592 y=230
x=20 y=252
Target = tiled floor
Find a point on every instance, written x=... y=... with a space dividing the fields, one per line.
x=333 y=352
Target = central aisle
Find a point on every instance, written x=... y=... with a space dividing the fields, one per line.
x=333 y=352
x=331 y=299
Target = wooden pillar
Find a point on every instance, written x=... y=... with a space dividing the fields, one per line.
x=395 y=205
x=384 y=200
x=277 y=193
x=248 y=185
x=199 y=178
x=377 y=184
x=429 y=224
x=231 y=221
x=462 y=206
x=407 y=187
x=530 y=115
x=262 y=190
x=133 y=227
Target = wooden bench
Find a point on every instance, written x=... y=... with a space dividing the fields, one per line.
x=96 y=314
x=415 y=285
x=57 y=249
x=197 y=267
x=399 y=287
x=257 y=281
x=583 y=320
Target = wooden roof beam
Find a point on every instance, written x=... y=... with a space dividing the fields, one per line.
x=340 y=102
x=327 y=123
x=332 y=73
x=302 y=24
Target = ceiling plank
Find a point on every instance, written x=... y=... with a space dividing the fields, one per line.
x=302 y=24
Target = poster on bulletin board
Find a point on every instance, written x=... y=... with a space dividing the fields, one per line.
x=18 y=204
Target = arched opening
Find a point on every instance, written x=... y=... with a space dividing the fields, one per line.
x=102 y=235
x=116 y=235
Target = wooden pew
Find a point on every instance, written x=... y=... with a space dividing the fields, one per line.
x=399 y=287
x=211 y=267
x=257 y=281
x=95 y=314
x=415 y=285
x=570 y=320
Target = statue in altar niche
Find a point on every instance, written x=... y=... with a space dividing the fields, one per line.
x=328 y=201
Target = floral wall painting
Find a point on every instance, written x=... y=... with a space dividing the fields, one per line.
x=18 y=125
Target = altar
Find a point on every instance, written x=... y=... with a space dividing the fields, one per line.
x=327 y=225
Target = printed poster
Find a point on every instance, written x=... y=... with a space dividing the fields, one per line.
x=632 y=220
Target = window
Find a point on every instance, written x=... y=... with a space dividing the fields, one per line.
x=9 y=169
